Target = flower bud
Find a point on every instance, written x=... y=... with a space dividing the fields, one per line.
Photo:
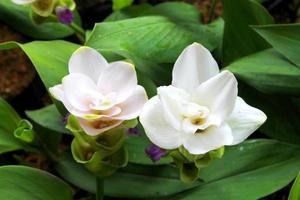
x=64 y=15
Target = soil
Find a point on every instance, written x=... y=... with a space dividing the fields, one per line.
x=16 y=71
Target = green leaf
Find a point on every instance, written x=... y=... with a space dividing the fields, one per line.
x=20 y=182
x=134 y=181
x=19 y=18
x=150 y=42
x=48 y=117
x=8 y=123
x=248 y=171
x=295 y=191
x=268 y=72
x=285 y=38
x=239 y=39
x=120 y=4
x=177 y=11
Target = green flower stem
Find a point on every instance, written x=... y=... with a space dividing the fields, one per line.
x=212 y=10
x=100 y=188
x=80 y=33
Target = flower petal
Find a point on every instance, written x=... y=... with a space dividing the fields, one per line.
x=132 y=107
x=88 y=61
x=194 y=66
x=57 y=92
x=211 y=138
x=157 y=128
x=171 y=99
x=77 y=88
x=219 y=94
x=96 y=127
x=23 y=2
x=119 y=77
x=244 y=120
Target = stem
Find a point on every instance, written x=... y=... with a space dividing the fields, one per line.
x=100 y=188
x=212 y=10
x=80 y=33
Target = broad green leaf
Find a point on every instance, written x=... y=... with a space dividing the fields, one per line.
x=151 y=42
x=134 y=181
x=285 y=38
x=248 y=171
x=18 y=17
x=239 y=39
x=50 y=58
x=177 y=11
x=295 y=191
x=8 y=123
x=48 y=117
x=268 y=72
x=120 y=4
x=20 y=182
x=282 y=112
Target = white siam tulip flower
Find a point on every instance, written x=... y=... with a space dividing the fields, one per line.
x=101 y=95
x=23 y=2
x=201 y=109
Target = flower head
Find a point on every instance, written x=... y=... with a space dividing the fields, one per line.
x=100 y=94
x=200 y=110
x=64 y=14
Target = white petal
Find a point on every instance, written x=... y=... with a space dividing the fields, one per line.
x=88 y=61
x=157 y=128
x=132 y=107
x=210 y=139
x=244 y=120
x=119 y=77
x=172 y=101
x=92 y=127
x=57 y=92
x=22 y=2
x=194 y=66
x=219 y=94
x=77 y=88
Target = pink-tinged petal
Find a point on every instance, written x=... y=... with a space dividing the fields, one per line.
x=96 y=127
x=172 y=104
x=244 y=120
x=120 y=78
x=77 y=89
x=88 y=61
x=93 y=115
x=219 y=94
x=194 y=66
x=132 y=107
x=158 y=130
x=57 y=92
x=23 y=2
x=211 y=138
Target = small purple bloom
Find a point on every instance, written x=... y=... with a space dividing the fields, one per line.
x=64 y=15
x=154 y=152
x=65 y=118
x=133 y=131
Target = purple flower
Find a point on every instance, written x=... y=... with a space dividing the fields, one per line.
x=65 y=118
x=154 y=152
x=133 y=131
x=64 y=15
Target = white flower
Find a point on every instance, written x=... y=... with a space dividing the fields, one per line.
x=23 y=2
x=101 y=95
x=201 y=109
